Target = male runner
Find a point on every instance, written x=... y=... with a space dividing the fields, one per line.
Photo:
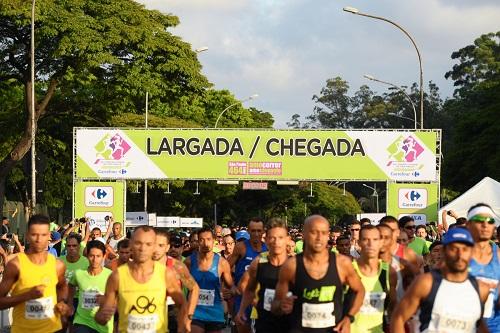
x=115 y=237
x=88 y=286
x=485 y=263
x=244 y=253
x=316 y=279
x=379 y=280
x=263 y=272
x=36 y=283
x=407 y=223
x=208 y=268
x=140 y=289
x=449 y=299
x=123 y=255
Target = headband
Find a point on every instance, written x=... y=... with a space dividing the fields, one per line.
x=480 y=210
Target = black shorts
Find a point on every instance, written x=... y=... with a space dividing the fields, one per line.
x=75 y=306
x=209 y=325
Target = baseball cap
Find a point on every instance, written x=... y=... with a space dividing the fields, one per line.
x=55 y=236
x=458 y=235
x=242 y=234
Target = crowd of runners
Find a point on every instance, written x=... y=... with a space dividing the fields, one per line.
x=262 y=277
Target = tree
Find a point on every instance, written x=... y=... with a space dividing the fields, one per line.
x=472 y=151
x=118 y=46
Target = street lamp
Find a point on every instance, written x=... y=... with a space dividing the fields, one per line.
x=375 y=193
x=370 y=77
x=398 y=116
x=230 y=106
x=355 y=11
x=201 y=49
x=33 y=127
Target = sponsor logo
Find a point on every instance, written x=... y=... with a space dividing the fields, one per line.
x=404 y=153
x=111 y=151
x=418 y=218
x=99 y=196
x=412 y=198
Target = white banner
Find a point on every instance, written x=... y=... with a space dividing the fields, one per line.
x=98 y=220
x=134 y=219
x=191 y=222
x=168 y=221
x=152 y=219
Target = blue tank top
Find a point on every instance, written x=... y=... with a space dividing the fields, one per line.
x=490 y=274
x=209 y=306
x=243 y=263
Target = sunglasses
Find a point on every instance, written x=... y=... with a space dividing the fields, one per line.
x=410 y=227
x=355 y=229
x=481 y=219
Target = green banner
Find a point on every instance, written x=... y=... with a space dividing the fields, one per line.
x=255 y=154
x=97 y=200
x=417 y=200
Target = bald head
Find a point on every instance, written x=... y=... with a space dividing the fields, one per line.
x=314 y=219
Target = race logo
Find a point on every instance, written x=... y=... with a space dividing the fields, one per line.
x=412 y=198
x=404 y=150
x=111 y=147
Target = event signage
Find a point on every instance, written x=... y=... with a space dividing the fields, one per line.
x=134 y=219
x=419 y=201
x=98 y=200
x=108 y=153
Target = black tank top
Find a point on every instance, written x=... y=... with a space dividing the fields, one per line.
x=267 y=277
x=317 y=300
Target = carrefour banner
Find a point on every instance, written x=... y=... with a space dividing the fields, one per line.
x=417 y=200
x=106 y=153
x=99 y=200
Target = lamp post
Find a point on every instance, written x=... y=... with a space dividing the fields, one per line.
x=357 y=12
x=201 y=49
x=234 y=104
x=33 y=126
x=398 y=116
x=370 y=77
x=375 y=193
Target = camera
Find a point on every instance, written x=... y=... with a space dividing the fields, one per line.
x=9 y=236
x=448 y=212
x=106 y=218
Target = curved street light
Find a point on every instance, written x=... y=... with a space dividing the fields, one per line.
x=370 y=77
x=201 y=49
x=355 y=11
x=235 y=103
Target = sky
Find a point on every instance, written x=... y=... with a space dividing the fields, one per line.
x=285 y=50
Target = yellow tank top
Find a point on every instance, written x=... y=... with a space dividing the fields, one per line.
x=371 y=315
x=36 y=315
x=141 y=306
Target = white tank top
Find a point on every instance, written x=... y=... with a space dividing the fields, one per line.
x=456 y=309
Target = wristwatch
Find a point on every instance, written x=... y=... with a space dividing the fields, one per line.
x=351 y=318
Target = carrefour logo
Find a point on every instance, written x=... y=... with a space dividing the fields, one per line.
x=412 y=198
x=101 y=196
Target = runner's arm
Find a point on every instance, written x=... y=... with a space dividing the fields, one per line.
x=226 y=272
x=62 y=285
x=418 y=290
x=250 y=288
x=239 y=248
x=10 y=277
x=175 y=292
x=188 y=282
x=282 y=303
x=393 y=281
x=351 y=278
x=108 y=306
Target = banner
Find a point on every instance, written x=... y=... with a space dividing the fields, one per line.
x=256 y=154
x=97 y=200
x=135 y=219
x=417 y=200
x=191 y=222
x=168 y=221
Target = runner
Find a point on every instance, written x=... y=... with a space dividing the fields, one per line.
x=316 y=279
x=485 y=263
x=123 y=255
x=449 y=299
x=344 y=246
x=407 y=223
x=379 y=280
x=354 y=229
x=184 y=279
x=88 y=286
x=73 y=261
x=208 y=268
x=263 y=272
x=115 y=237
x=140 y=288
x=36 y=283
x=244 y=252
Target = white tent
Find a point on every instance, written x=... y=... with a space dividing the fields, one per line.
x=486 y=191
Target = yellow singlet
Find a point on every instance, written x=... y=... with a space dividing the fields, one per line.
x=141 y=306
x=36 y=315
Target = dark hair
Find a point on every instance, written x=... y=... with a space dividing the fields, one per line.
x=256 y=219
x=124 y=243
x=342 y=238
x=353 y=222
x=95 y=244
x=366 y=228
x=162 y=232
x=74 y=236
x=365 y=219
x=205 y=229
x=145 y=228
x=384 y=226
x=388 y=219
x=421 y=227
x=403 y=220
x=96 y=228
x=479 y=205
x=38 y=219
x=461 y=221
x=4 y=218
x=276 y=222
x=434 y=244
x=336 y=228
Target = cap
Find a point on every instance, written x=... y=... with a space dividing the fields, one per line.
x=101 y=239
x=176 y=240
x=55 y=236
x=458 y=235
x=226 y=231
x=242 y=234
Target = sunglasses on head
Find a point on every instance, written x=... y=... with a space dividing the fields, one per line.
x=481 y=219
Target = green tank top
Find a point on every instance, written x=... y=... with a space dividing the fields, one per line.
x=88 y=287
x=371 y=315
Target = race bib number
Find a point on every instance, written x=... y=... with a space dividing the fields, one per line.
x=142 y=324
x=40 y=308
x=89 y=299
x=373 y=303
x=268 y=299
x=206 y=297
x=318 y=315
x=451 y=324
